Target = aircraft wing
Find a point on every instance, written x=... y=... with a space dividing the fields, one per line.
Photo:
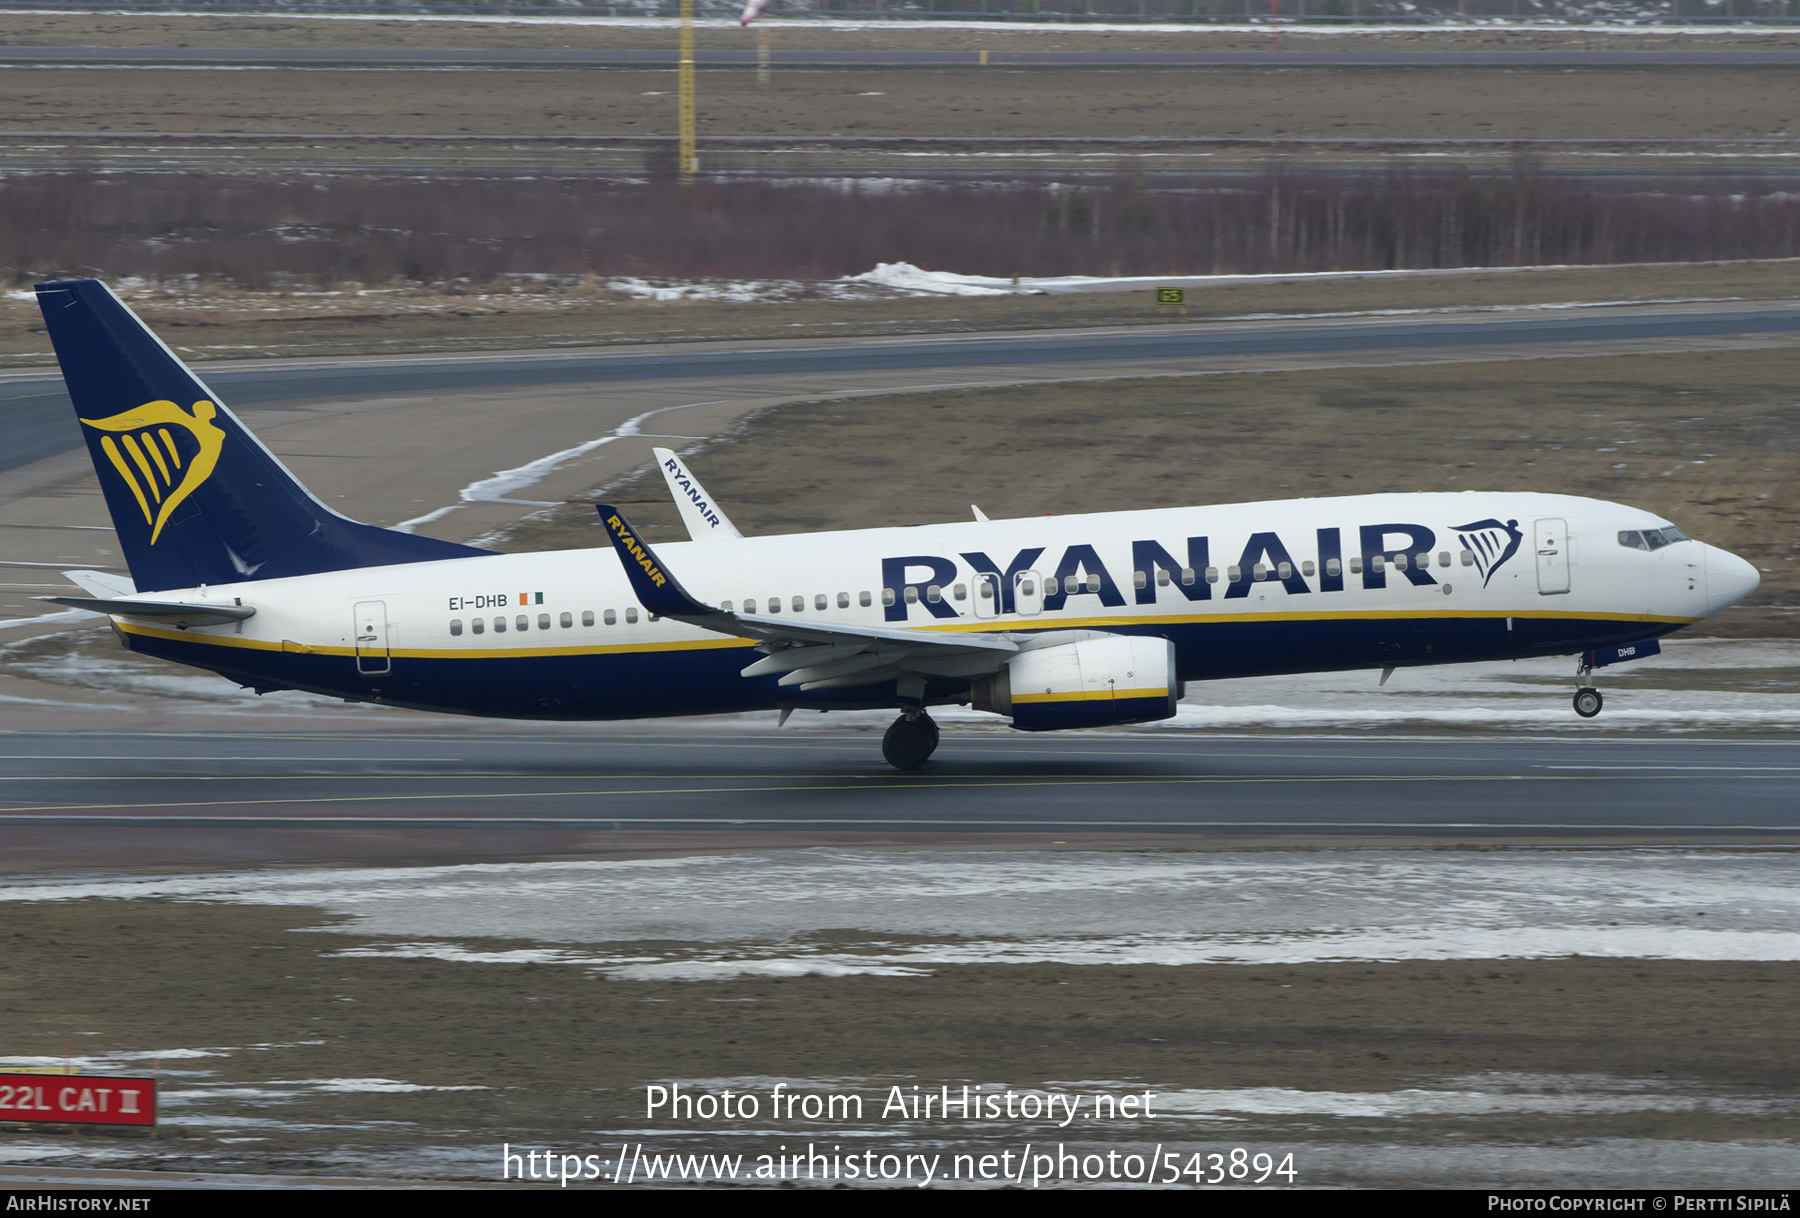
x=813 y=655
x=169 y=613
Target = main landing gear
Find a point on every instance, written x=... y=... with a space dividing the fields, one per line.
x=1587 y=699
x=910 y=740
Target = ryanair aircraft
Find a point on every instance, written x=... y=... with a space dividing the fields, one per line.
x=1056 y=622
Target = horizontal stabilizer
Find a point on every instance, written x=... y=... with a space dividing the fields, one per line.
x=101 y=583
x=168 y=613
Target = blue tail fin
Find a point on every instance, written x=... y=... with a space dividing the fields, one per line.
x=196 y=498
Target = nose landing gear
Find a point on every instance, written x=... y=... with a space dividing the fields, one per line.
x=910 y=740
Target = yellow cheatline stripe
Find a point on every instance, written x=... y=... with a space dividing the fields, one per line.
x=112 y=454
x=1092 y=695
x=468 y=653
x=987 y=627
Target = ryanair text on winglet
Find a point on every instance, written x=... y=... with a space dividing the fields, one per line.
x=630 y=543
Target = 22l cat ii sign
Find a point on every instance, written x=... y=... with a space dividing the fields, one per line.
x=77 y=1099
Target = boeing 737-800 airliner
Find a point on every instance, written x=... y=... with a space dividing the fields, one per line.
x=1056 y=622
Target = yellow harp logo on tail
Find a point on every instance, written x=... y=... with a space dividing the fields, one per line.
x=151 y=462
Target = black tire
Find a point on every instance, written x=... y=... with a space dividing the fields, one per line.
x=909 y=742
x=1588 y=702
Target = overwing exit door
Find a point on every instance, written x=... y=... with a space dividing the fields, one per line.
x=1552 y=557
x=371 y=638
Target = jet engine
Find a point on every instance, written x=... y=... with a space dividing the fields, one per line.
x=1094 y=682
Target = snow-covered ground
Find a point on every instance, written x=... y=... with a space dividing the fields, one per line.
x=905 y=912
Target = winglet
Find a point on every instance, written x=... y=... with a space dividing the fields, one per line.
x=699 y=511
x=656 y=588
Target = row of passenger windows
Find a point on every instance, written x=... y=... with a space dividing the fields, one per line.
x=985 y=589
x=522 y=622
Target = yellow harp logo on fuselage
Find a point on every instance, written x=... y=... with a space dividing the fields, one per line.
x=151 y=462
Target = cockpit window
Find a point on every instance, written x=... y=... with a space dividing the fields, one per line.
x=1651 y=539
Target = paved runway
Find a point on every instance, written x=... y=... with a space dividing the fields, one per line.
x=39 y=422
x=99 y=789
x=512 y=57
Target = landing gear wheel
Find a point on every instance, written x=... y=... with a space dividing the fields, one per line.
x=909 y=742
x=1588 y=702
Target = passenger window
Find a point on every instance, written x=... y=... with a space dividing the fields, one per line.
x=1376 y=564
x=1285 y=570
x=1468 y=558
x=774 y=604
x=912 y=594
x=1259 y=572
x=934 y=594
x=587 y=617
x=499 y=625
x=1422 y=561
x=1093 y=583
x=1234 y=574
x=1356 y=566
x=887 y=596
x=985 y=583
x=544 y=621
x=1139 y=580
x=568 y=620
x=863 y=598
x=1212 y=575
x=1070 y=584
x=1399 y=562
x=477 y=625
x=799 y=604
x=1443 y=558
x=1027 y=588
x=455 y=626
x=1333 y=567
x=1162 y=577
x=612 y=618
x=724 y=606
x=1306 y=568
x=844 y=600
x=523 y=622
x=962 y=592
x=821 y=601
x=631 y=616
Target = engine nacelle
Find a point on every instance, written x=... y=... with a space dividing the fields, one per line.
x=1091 y=683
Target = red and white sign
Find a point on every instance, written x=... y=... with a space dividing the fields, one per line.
x=80 y=1099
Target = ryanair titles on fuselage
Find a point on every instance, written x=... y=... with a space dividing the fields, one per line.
x=1490 y=543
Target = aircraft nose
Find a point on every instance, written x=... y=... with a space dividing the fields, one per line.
x=1729 y=579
